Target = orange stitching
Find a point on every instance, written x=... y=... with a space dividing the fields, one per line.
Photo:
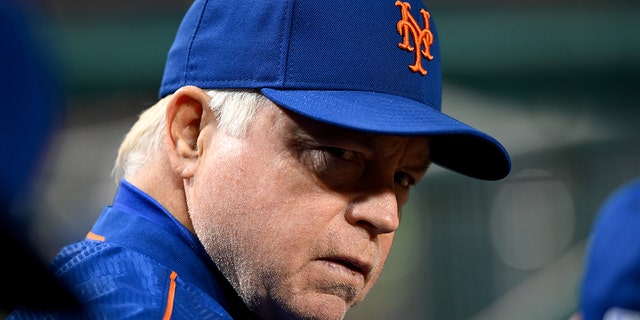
x=408 y=26
x=94 y=236
x=171 y=296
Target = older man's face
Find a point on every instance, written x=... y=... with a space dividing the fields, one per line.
x=300 y=216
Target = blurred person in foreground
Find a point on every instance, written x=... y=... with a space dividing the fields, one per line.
x=30 y=103
x=269 y=179
x=610 y=286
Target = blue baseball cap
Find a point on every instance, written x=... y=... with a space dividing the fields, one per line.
x=366 y=65
x=611 y=280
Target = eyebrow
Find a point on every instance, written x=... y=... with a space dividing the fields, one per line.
x=310 y=130
x=361 y=140
x=331 y=134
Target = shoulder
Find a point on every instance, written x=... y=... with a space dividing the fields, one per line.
x=114 y=282
x=625 y=198
x=620 y=212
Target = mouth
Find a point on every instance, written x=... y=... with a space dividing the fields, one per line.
x=356 y=266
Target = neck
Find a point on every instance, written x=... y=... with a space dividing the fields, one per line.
x=157 y=180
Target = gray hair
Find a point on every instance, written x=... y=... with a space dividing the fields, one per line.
x=233 y=109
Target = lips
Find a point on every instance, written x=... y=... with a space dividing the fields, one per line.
x=354 y=264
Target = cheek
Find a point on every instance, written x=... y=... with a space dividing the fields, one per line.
x=217 y=203
x=224 y=207
x=244 y=204
x=386 y=241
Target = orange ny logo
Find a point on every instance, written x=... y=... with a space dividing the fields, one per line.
x=422 y=37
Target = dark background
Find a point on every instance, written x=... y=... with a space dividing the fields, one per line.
x=555 y=81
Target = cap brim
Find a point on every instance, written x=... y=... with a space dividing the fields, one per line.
x=454 y=145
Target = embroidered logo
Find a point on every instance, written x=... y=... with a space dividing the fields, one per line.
x=408 y=27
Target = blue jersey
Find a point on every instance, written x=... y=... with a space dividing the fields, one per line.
x=139 y=262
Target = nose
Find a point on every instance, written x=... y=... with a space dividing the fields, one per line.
x=377 y=212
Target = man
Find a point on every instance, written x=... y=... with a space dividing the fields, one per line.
x=268 y=181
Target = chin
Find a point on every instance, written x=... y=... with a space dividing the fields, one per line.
x=316 y=307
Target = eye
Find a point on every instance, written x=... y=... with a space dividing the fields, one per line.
x=334 y=166
x=340 y=153
x=404 y=180
x=337 y=160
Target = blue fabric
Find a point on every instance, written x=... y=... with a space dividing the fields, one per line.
x=29 y=99
x=30 y=103
x=128 y=275
x=612 y=270
x=339 y=62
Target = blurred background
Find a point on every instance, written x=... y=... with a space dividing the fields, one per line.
x=555 y=81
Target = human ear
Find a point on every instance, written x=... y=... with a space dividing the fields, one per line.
x=186 y=117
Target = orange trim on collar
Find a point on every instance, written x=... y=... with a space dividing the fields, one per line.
x=94 y=236
x=171 y=296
